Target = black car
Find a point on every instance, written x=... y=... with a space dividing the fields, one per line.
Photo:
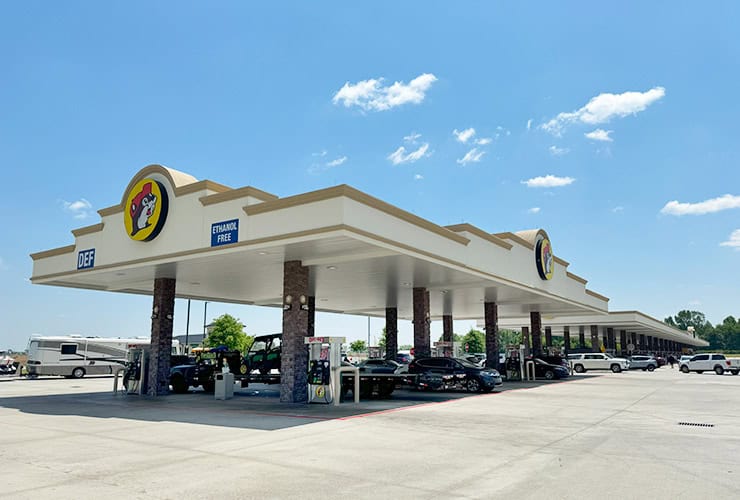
x=549 y=371
x=454 y=373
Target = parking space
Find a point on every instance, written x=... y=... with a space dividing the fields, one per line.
x=612 y=433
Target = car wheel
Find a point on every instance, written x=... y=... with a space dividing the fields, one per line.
x=735 y=372
x=699 y=371
x=179 y=386
x=719 y=370
x=549 y=374
x=473 y=385
x=78 y=372
x=644 y=369
x=685 y=369
x=616 y=368
x=209 y=386
x=651 y=368
x=579 y=369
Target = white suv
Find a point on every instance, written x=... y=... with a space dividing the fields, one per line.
x=597 y=361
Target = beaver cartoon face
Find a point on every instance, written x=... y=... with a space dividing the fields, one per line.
x=142 y=208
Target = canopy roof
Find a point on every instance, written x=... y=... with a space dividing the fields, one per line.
x=364 y=254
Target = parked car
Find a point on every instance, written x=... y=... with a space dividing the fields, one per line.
x=583 y=362
x=382 y=366
x=643 y=362
x=684 y=359
x=661 y=361
x=448 y=373
x=555 y=360
x=404 y=358
x=549 y=371
x=711 y=362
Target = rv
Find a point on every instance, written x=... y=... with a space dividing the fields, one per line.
x=75 y=356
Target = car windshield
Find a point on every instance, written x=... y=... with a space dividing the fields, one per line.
x=466 y=363
x=259 y=345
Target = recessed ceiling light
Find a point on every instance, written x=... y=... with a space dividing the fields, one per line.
x=196 y=283
x=262 y=253
x=120 y=274
x=331 y=268
x=443 y=291
x=406 y=283
x=324 y=300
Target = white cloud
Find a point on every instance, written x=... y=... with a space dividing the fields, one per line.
x=695 y=302
x=321 y=154
x=534 y=210
x=556 y=151
x=472 y=156
x=733 y=241
x=400 y=156
x=483 y=141
x=548 y=181
x=599 y=135
x=464 y=135
x=80 y=209
x=411 y=138
x=618 y=209
x=418 y=177
x=529 y=124
x=604 y=107
x=337 y=162
x=371 y=95
x=724 y=202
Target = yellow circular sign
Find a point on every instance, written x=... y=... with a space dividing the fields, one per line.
x=146 y=210
x=545 y=259
x=320 y=391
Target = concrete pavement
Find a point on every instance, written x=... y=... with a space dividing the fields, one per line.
x=610 y=436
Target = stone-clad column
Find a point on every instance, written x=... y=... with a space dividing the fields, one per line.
x=421 y=323
x=525 y=340
x=447 y=334
x=566 y=339
x=535 y=321
x=294 y=357
x=490 y=310
x=611 y=340
x=391 y=332
x=642 y=343
x=310 y=331
x=623 y=341
x=582 y=336
x=548 y=336
x=633 y=336
x=595 y=345
x=163 y=310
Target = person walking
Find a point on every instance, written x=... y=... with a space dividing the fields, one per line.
x=671 y=360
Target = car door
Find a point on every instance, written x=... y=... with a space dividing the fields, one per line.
x=699 y=362
x=593 y=361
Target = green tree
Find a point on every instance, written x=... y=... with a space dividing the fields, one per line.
x=358 y=346
x=685 y=318
x=726 y=335
x=509 y=337
x=476 y=341
x=456 y=337
x=229 y=331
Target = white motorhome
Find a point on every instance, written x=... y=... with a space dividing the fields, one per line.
x=76 y=356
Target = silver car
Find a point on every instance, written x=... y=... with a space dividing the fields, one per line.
x=643 y=363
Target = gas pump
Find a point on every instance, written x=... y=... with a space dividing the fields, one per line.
x=136 y=377
x=324 y=360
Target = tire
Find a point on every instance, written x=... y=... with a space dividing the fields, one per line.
x=473 y=385
x=735 y=372
x=579 y=369
x=549 y=375
x=616 y=368
x=719 y=370
x=78 y=372
x=651 y=368
x=486 y=390
x=685 y=369
x=644 y=369
x=179 y=386
x=699 y=371
x=209 y=385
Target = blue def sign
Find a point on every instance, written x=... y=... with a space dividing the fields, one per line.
x=86 y=259
x=224 y=233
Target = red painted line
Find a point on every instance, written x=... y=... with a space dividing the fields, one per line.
x=411 y=407
x=288 y=415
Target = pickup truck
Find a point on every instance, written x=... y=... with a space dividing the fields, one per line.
x=715 y=362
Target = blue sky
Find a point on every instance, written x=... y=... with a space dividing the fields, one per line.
x=291 y=97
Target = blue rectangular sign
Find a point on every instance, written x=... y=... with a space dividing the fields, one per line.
x=86 y=259
x=225 y=233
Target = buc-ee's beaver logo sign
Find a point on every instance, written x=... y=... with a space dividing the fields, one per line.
x=146 y=210
x=544 y=258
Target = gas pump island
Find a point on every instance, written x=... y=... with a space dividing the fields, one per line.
x=325 y=370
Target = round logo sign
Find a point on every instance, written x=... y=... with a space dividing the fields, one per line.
x=146 y=210
x=320 y=391
x=544 y=258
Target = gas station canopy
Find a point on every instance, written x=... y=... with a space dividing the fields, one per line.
x=364 y=255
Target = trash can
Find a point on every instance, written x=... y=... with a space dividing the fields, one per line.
x=224 y=386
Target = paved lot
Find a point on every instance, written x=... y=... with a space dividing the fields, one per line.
x=610 y=436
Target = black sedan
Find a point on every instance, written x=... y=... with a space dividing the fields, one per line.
x=454 y=373
x=549 y=371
